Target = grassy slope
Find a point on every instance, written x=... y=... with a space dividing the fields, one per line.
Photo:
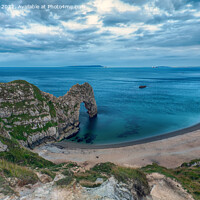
x=122 y=174
x=18 y=157
x=22 y=156
x=24 y=174
x=188 y=175
x=21 y=163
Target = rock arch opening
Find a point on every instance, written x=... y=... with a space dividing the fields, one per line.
x=72 y=102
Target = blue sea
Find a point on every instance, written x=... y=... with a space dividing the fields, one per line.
x=171 y=100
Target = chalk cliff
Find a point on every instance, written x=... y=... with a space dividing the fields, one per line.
x=33 y=117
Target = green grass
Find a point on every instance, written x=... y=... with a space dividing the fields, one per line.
x=65 y=181
x=191 y=163
x=188 y=177
x=67 y=172
x=48 y=172
x=104 y=167
x=37 y=93
x=88 y=178
x=17 y=131
x=17 y=105
x=135 y=176
x=57 y=167
x=122 y=174
x=159 y=169
x=22 y=156
x=21 y=117
x=76 y=105
x=12 y=162
x=52 y=109
x=71 y=165
x=25 y=175
x=6 y=104
x=20 y=82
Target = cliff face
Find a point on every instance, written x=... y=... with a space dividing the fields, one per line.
x=32 y=116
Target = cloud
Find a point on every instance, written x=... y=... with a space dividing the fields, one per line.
x=136 y=2
x=116 y=18
x=170 y=5
x=106 y=32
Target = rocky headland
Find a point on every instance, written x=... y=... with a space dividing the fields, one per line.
x=33 y=117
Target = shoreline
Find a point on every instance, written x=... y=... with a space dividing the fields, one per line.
x=170 y=152
x=72 y=145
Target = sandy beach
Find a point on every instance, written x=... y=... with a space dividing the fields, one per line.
x=167 y=151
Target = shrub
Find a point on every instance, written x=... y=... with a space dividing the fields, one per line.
x=103 y=167
x=48 y=172
x=65 y=181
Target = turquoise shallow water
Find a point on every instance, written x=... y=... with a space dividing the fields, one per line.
x=126 y=113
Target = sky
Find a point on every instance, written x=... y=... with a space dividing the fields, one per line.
x=115 y=33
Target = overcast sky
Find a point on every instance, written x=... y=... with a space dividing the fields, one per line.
x=106 y=32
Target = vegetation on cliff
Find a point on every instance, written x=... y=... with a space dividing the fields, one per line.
x=33 y=117
x=134 y=178
x=22 y=166
x=25 y=111
x=188 y=175
x=22 y=156
x=18 y=166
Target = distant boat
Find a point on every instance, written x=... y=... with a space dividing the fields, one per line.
x=142 y=86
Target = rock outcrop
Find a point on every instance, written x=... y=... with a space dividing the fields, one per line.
x=162 y=188
x=33 y=117
x=165 y=188
x=3 y=147
x=109 y=190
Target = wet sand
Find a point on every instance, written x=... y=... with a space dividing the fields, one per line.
x=165 y=150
